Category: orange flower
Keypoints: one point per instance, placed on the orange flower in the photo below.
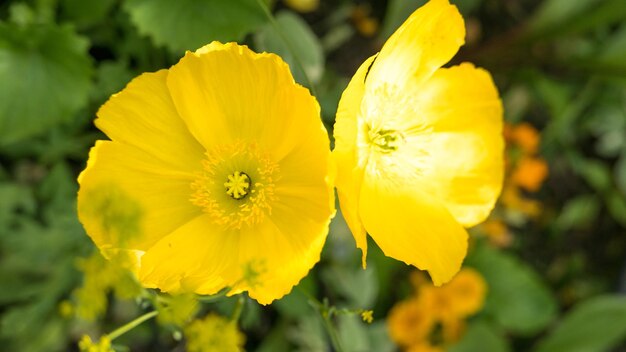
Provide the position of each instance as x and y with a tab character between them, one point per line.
527	137
530	173
497	232
410	322
513	200
364	23
467	292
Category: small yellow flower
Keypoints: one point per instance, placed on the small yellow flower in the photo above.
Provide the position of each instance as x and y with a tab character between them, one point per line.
99	278
213	334
419	148
530	173
303	5
66	309
367	316
410	322
87	345
178	309
217	169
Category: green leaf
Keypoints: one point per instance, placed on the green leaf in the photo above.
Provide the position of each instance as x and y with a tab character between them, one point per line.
85	13
614	49
596	173
517	298
45	73
190	24
593	325
296	303
397	12
352	333
553	13
301	40
379	337
616	204
15	198
620	173
358	286
480	336
579	212
111	77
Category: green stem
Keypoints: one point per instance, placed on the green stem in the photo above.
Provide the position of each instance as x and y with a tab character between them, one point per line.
238	308
131	325
327	314
290	47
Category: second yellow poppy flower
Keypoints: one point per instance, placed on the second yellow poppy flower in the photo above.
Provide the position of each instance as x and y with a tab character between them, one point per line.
419	148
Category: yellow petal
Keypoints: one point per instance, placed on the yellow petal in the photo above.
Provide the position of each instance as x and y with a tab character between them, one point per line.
129	199
409	225
278	254
143	115
424	42
349	174
226	92
192	256
464	150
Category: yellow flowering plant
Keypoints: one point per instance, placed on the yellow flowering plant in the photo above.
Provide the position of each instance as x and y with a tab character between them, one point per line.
216	176
418	147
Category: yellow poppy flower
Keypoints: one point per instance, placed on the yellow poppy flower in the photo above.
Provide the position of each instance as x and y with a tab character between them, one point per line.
419	148
217	176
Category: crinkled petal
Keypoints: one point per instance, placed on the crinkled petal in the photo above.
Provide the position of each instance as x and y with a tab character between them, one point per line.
275	256
191	257
464	149
129	199
267	260
428	39
411	226
143	115
226	92
349	173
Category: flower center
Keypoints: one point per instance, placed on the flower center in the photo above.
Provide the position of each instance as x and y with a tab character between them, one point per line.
238	185
248	193
385	140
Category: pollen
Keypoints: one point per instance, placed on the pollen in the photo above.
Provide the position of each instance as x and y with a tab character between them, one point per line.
246	198
238	185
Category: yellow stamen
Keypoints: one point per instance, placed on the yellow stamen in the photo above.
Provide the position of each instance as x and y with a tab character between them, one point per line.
244	203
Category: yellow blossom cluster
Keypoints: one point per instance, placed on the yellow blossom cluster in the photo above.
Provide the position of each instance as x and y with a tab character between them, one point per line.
100	276
88	345
213	333
434	317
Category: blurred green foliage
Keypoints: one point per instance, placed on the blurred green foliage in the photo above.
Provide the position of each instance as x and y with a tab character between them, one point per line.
559	64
